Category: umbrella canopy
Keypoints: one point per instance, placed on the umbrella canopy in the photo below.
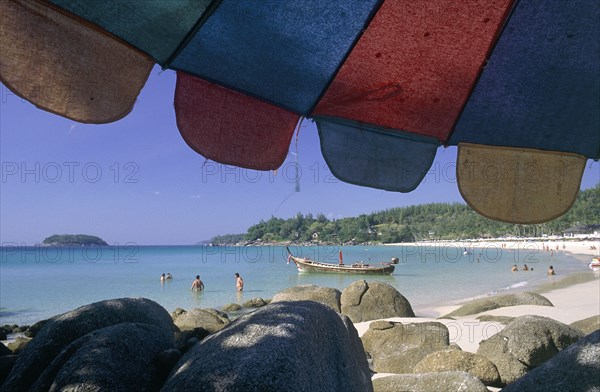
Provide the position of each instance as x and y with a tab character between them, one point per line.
515	84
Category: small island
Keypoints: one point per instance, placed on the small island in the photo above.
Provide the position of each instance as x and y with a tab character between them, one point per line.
74	240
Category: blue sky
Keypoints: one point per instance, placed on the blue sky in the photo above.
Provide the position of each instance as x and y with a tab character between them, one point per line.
136	181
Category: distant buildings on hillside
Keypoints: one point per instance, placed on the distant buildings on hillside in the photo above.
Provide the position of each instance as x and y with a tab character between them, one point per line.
583	231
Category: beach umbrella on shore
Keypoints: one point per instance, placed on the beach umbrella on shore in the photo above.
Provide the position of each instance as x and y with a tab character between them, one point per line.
514	84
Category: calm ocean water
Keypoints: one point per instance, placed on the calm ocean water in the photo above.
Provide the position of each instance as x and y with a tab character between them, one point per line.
39	282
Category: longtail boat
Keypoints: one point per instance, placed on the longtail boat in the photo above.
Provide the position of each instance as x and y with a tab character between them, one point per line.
307	265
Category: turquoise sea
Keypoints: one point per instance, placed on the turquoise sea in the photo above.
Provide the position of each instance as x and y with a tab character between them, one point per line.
39	282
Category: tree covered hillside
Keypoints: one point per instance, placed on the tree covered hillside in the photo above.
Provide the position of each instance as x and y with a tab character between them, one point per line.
419	222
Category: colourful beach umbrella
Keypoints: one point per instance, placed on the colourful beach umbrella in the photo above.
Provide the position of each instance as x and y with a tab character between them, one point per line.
514	84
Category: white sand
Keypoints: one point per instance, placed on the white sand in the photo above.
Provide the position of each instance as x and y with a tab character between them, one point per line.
571	303
571	246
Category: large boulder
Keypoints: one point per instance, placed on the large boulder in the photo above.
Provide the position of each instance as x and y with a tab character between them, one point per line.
364	301
285	346
309	292
456	360
178	312
60	331
6	364
438	382
231	308
504	320
210	320
525	343
5	350
499	301
587	325
122	357
185	338
35	328
397	348
19	344
4	331
257	302
576	368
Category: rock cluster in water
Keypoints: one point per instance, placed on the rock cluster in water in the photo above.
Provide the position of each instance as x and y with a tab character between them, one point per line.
304	340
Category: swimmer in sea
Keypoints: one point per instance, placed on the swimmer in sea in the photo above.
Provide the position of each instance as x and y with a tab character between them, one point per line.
239	282
197	284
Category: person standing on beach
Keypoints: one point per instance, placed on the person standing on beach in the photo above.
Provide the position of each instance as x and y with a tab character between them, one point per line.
197	284
239	282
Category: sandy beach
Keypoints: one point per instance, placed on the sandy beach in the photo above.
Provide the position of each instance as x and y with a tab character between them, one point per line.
574	297
571	304
574	247
572	301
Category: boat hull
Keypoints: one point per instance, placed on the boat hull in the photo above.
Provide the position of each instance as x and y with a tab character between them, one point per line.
304	265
